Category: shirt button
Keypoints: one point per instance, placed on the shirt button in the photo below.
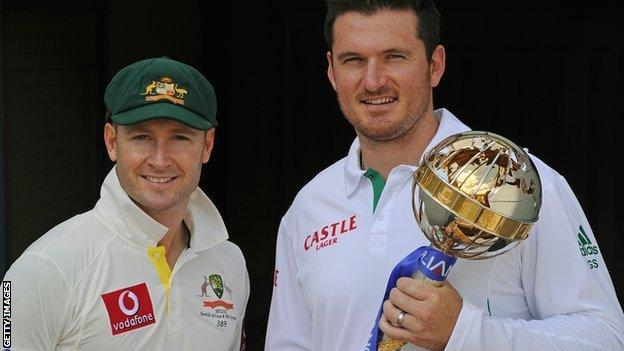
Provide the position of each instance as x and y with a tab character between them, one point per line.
175	327
381	218
173	307
157	256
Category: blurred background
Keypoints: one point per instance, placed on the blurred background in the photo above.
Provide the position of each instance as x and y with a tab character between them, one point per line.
548	76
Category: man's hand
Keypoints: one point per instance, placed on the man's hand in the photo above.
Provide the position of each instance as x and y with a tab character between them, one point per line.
431	313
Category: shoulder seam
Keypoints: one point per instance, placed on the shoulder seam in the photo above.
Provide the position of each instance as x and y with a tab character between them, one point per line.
95	257
292	242
63	278
242	270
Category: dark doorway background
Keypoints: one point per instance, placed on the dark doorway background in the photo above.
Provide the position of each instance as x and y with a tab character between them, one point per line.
548	76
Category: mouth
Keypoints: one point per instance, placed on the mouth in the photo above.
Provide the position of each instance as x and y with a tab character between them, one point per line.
379	101
158	180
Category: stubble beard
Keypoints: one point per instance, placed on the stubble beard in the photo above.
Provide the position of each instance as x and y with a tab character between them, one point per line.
416	111
152	201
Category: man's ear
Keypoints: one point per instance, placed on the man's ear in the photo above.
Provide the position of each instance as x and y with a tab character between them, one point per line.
330	70
437	65
110	136
210	136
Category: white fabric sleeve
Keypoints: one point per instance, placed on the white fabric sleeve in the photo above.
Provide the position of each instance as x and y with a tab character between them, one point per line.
290	322
40	303
569	292
240	328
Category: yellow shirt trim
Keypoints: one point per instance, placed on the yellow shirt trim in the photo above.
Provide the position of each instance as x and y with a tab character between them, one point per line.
158	257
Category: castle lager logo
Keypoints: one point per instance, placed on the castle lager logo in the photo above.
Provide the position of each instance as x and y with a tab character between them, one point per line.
165	89
129	308
329	234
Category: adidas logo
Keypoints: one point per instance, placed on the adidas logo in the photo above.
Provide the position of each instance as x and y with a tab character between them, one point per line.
585	245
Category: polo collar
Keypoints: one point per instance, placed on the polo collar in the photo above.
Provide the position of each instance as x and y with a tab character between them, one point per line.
123	216
448	125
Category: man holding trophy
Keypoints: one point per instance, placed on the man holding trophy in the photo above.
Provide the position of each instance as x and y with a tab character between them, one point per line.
349	227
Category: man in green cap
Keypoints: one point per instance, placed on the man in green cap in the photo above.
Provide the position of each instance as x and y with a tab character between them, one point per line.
150	267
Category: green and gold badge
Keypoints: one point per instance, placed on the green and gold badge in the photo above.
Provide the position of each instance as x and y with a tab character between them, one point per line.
216	283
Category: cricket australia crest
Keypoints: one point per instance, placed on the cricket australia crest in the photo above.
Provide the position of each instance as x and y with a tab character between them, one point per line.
215	306
216	283
165	89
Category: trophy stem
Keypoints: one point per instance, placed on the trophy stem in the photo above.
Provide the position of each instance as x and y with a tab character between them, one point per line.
387	344
419	276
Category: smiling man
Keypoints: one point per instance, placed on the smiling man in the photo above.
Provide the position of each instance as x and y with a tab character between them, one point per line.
147	268
350	225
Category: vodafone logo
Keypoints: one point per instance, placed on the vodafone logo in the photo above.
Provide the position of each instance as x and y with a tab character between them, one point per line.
135	303
129	308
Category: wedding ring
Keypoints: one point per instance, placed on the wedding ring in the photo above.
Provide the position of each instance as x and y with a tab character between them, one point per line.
400	318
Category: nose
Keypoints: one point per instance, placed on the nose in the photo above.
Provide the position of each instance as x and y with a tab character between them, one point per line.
375	76
159	155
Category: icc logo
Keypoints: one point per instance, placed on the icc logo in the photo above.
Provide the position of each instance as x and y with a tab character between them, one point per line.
135	303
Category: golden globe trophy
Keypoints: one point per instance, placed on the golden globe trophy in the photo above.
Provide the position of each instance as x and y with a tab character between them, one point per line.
475	196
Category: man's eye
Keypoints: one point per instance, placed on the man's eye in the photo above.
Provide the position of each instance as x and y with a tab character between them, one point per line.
395	56
141	137
181	137
353	59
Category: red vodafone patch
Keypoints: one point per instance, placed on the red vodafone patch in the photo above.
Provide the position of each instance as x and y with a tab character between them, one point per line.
129	308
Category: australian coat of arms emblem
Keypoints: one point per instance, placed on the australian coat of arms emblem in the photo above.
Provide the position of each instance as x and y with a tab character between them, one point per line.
215	282
165	89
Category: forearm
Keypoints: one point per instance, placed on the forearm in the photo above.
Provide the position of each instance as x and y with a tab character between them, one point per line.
575	331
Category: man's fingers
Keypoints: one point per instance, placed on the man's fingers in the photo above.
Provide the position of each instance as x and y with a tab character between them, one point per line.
393	332
414	288
405	302
391	312
429	321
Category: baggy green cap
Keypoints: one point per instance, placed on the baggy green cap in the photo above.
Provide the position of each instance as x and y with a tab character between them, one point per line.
161	88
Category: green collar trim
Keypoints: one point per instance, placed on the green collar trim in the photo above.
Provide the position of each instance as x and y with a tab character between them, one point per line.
378	182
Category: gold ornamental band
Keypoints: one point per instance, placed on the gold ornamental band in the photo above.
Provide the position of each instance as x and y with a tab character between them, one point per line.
166	97
468	209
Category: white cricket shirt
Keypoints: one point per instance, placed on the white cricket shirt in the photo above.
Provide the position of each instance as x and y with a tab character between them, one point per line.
334	256
98	282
